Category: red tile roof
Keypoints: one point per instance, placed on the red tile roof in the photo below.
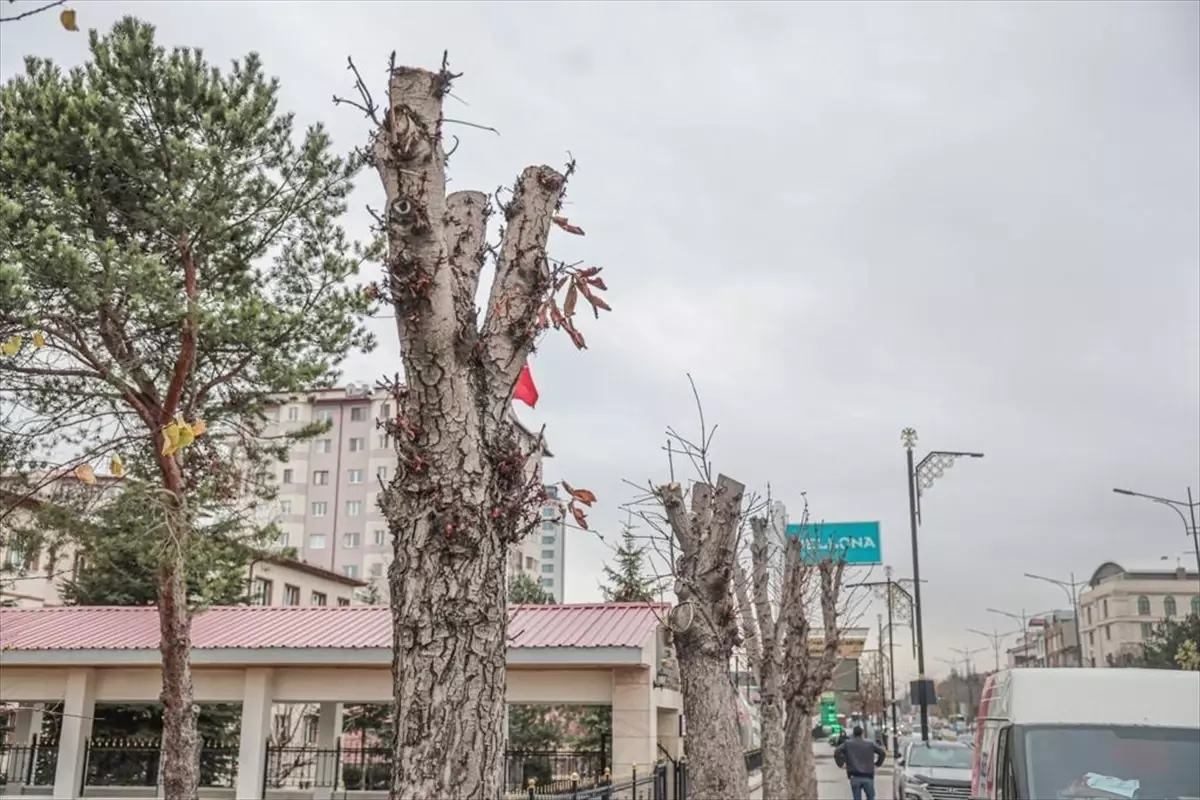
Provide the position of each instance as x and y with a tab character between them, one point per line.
345	627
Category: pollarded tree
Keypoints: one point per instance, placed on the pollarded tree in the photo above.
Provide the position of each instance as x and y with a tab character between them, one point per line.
171	262
463	492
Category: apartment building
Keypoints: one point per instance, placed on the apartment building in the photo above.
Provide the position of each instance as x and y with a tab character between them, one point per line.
550	542
1061	639
328	504
1123	602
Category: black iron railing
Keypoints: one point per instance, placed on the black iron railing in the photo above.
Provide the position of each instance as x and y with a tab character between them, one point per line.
29	765
138	762
554	768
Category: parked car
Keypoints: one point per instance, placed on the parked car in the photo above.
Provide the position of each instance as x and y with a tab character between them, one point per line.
933	771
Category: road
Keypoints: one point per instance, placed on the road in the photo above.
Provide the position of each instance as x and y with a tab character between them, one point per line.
832	783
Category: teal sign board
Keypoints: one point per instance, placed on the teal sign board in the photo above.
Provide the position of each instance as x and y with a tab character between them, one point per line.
856	542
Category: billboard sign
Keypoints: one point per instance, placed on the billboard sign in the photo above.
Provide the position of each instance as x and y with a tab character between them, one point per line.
856	542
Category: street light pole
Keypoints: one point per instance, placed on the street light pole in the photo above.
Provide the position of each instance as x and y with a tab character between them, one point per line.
966	654
1177	506
890	585
921	477
996	638
1023	619
1072	589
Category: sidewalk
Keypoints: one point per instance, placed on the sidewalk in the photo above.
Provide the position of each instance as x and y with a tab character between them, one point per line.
831	781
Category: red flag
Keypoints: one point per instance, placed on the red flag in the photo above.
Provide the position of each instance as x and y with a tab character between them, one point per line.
526	392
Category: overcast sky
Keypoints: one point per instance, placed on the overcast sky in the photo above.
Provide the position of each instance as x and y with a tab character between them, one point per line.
977	219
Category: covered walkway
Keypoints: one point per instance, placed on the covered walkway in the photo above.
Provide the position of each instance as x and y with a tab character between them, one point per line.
259	657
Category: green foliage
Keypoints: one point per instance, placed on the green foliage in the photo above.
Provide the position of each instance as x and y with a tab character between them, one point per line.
121	183
628	582
535	727
594	725
522	588
373	721
1171	645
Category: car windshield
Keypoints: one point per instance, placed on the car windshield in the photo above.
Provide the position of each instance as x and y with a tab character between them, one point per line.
1083	761
952	757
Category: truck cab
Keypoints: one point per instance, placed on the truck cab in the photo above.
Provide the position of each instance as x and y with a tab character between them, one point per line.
1045	734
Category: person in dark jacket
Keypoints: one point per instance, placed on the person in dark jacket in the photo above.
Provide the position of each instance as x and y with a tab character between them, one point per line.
859	757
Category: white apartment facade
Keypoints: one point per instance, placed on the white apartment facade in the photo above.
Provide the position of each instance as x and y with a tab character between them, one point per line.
328	503
1123	601
550	542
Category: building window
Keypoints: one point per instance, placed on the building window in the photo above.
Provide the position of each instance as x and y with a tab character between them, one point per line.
1146	630
551	492
354	508
351	570
547	540
293	413
358	414
381	473
321	477
323	445
283	539
354	476
1104	608
357	444
285	506
262	594
383	441
350	540
288	476
1108	632
1089	615
549	525
546	582
1169	608
549	512
378	538
1091	638
324	415
291	595
1143	604
548	568
343	601
316	541
377	569
547	555
320	508
1196	604
318	599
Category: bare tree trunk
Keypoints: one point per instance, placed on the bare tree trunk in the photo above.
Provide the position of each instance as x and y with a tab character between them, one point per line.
774	752
180	734
798	743
707	538
462	493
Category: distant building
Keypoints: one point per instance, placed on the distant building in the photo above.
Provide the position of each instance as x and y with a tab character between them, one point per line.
1061	639
1123	602
328	504
550	541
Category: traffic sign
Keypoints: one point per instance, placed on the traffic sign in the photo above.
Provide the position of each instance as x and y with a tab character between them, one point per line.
857	543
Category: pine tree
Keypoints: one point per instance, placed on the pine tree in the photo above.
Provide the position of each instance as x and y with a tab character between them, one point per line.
171	263
628	583
522	588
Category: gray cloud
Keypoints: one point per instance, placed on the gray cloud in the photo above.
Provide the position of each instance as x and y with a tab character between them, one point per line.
979	219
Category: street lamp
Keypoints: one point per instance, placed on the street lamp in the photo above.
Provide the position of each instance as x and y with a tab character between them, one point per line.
1071	587
996	638
1022	618
921	478
1189	528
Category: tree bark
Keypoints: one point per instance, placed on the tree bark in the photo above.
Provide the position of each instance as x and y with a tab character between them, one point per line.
707	538
180	734
461	494
798	744
774	752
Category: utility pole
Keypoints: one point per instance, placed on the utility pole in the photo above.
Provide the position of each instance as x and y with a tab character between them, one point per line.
966	654
921	477
1177	506
997	640
1071	587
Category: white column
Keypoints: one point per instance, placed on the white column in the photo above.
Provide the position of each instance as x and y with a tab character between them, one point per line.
79	704
634	724
256	727
329	767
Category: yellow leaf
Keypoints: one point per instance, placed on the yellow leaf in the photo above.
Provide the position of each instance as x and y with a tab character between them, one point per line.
39	339
13	345
170	439
115	466
67	18
186	435
85	474
198	427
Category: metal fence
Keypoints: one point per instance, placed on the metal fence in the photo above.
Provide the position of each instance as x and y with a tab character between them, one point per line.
558	768
29	765
138	762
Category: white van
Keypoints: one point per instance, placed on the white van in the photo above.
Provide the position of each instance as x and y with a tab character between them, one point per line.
1045	734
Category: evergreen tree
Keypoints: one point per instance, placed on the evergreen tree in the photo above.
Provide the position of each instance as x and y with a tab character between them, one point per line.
628	582
1172	644
171	263
523	589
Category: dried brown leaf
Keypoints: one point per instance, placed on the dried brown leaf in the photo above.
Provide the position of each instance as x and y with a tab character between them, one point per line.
566	225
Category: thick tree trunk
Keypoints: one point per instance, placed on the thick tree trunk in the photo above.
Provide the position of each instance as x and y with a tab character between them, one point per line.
774	754
448	666
798	744
180	736
717	766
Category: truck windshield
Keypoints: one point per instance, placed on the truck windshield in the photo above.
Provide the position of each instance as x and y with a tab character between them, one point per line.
1095	761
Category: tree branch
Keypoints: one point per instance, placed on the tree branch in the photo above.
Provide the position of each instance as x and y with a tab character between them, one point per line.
187	344
466	242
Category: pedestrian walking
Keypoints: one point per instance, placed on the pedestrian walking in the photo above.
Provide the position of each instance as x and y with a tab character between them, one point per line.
859	757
